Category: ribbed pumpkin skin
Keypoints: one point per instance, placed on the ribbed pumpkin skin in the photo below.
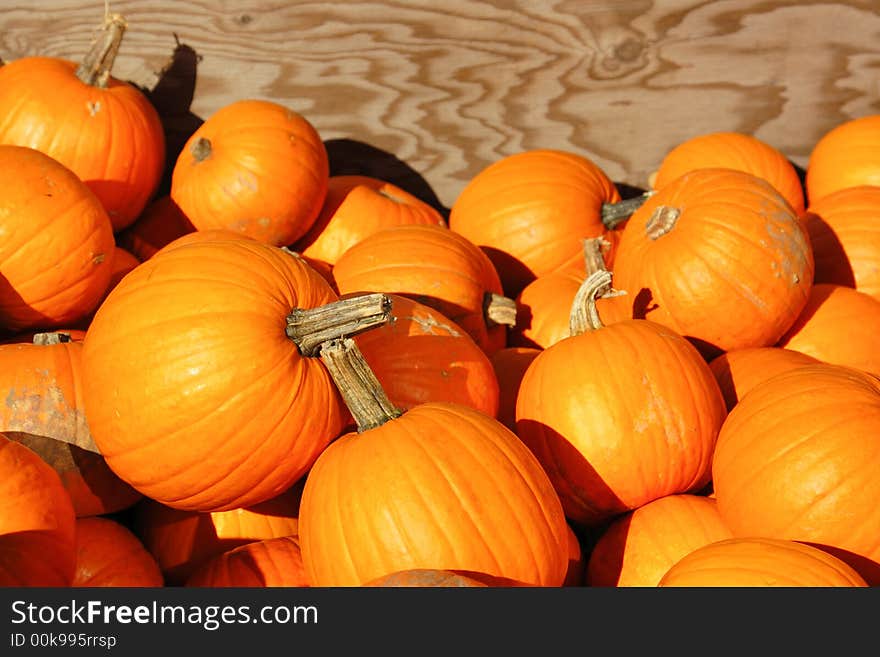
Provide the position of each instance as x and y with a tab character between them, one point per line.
357	206
421	355
431	264
42	390
845	156
56	254
189	375
845	234
442	487
740	370
266	176
797	459
182	541
109	554
425	578
111	138
510	365
839	325
529	211
37	521
760	562
274	562
638	548
544	307
734	271
738	151
161	222
620	416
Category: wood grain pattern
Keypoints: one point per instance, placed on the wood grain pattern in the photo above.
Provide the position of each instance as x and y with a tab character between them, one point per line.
426	94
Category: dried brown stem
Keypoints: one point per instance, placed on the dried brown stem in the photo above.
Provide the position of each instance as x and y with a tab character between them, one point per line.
97	65
499	310
310	328
614	214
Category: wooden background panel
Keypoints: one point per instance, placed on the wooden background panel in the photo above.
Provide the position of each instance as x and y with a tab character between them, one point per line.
427	94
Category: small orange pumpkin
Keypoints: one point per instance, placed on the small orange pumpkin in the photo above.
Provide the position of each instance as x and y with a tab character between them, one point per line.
37	521
272	562
845	156
253	167
109	554
104	130
510	364
760	561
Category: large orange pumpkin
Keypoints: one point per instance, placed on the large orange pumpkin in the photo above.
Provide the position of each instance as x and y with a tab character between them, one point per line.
839	325
435	266
760	562
530	210
42	388
254	167
103	129
357	206
619	415
195	393
637	548
440	486
420	355
719	256
57	247
273	562
740	370
109	554
182	541
845	156
797	458
738	151
845	233
37	521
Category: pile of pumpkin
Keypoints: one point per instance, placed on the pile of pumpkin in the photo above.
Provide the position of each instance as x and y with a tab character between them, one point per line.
271	376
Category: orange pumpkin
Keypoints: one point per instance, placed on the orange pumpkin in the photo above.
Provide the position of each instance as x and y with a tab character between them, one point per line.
738	151
740	370
760	562
719	256
528	211
42	386
103	129
839	325
357	206
845	156
845	235
440	486
510	364
57	251
420	355
109	554
436	267
160	223
273	562
637	548
797	459
182	541
426	578
37	521
253	167
619	415
189	373
543	309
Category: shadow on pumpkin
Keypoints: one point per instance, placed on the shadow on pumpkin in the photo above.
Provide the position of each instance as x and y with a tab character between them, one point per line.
832	262
352	157
10	299
579	482
867	568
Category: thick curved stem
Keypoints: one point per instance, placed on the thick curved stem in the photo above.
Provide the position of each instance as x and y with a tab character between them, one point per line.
55	337
614	214
311	328
97	65
360	389
584	314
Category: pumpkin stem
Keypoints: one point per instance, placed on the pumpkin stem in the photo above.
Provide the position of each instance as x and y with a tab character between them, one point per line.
201	149
584	314
662	221
499	310
311	328
614	214
56	337
358	385
98	62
